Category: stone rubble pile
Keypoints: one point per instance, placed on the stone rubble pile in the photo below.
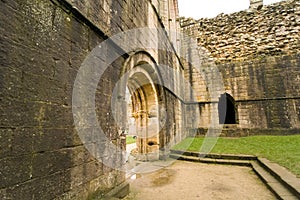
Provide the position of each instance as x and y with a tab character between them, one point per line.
249	34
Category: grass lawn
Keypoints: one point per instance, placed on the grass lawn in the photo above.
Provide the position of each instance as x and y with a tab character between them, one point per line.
284	150
130	140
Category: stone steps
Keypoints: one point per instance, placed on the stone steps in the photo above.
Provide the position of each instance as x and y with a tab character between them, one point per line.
211	160
280	181
285	178
215	156
280	191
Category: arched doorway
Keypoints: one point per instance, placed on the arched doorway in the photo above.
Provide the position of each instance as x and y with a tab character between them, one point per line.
145	114
227	109
143	106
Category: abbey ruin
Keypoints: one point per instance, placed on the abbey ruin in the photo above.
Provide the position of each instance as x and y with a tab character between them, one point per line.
257	52
71	70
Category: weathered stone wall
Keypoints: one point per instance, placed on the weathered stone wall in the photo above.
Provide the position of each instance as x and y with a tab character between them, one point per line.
43	44
257	54
246	35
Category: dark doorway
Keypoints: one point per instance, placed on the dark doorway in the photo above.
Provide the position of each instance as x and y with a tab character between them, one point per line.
227	110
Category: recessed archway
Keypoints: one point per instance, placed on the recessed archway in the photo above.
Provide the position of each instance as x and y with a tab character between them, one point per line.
145	114
144	109
227	109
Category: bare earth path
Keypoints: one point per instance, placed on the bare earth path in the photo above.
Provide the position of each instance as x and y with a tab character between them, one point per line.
188	181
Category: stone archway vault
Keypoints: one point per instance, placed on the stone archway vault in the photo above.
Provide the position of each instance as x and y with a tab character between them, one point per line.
141	78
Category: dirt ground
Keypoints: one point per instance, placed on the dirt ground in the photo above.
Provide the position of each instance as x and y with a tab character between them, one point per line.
188	181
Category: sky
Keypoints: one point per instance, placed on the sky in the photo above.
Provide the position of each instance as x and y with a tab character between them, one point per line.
210	8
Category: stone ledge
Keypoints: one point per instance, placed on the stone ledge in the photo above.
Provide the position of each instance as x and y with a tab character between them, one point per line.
118	192
283	175
214	155
212	161
230	131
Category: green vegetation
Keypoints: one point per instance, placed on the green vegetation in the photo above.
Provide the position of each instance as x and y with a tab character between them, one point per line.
130	139
284	150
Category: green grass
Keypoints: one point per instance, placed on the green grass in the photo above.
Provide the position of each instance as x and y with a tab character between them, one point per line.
284	150
130	140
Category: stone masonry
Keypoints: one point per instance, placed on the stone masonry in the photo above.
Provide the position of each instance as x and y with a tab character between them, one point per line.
257	53
43	43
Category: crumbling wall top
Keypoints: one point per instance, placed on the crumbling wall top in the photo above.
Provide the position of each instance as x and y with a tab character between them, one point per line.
272	30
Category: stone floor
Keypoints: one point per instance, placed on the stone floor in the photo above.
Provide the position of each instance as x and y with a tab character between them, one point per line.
184	180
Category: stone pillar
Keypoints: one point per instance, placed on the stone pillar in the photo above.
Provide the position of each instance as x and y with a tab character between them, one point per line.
255	4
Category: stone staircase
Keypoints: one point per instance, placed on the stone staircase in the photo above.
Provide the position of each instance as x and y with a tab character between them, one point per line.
280	181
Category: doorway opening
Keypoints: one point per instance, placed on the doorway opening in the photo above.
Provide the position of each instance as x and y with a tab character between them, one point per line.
140	106
142	119
227	109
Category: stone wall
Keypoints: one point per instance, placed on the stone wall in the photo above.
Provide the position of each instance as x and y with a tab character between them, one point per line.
257	54
250	34
43	44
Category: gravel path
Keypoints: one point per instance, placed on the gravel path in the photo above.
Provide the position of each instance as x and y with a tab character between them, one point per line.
188	181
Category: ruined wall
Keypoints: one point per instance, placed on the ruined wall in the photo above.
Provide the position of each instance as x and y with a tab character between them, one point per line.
246	35
257	53
43	44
